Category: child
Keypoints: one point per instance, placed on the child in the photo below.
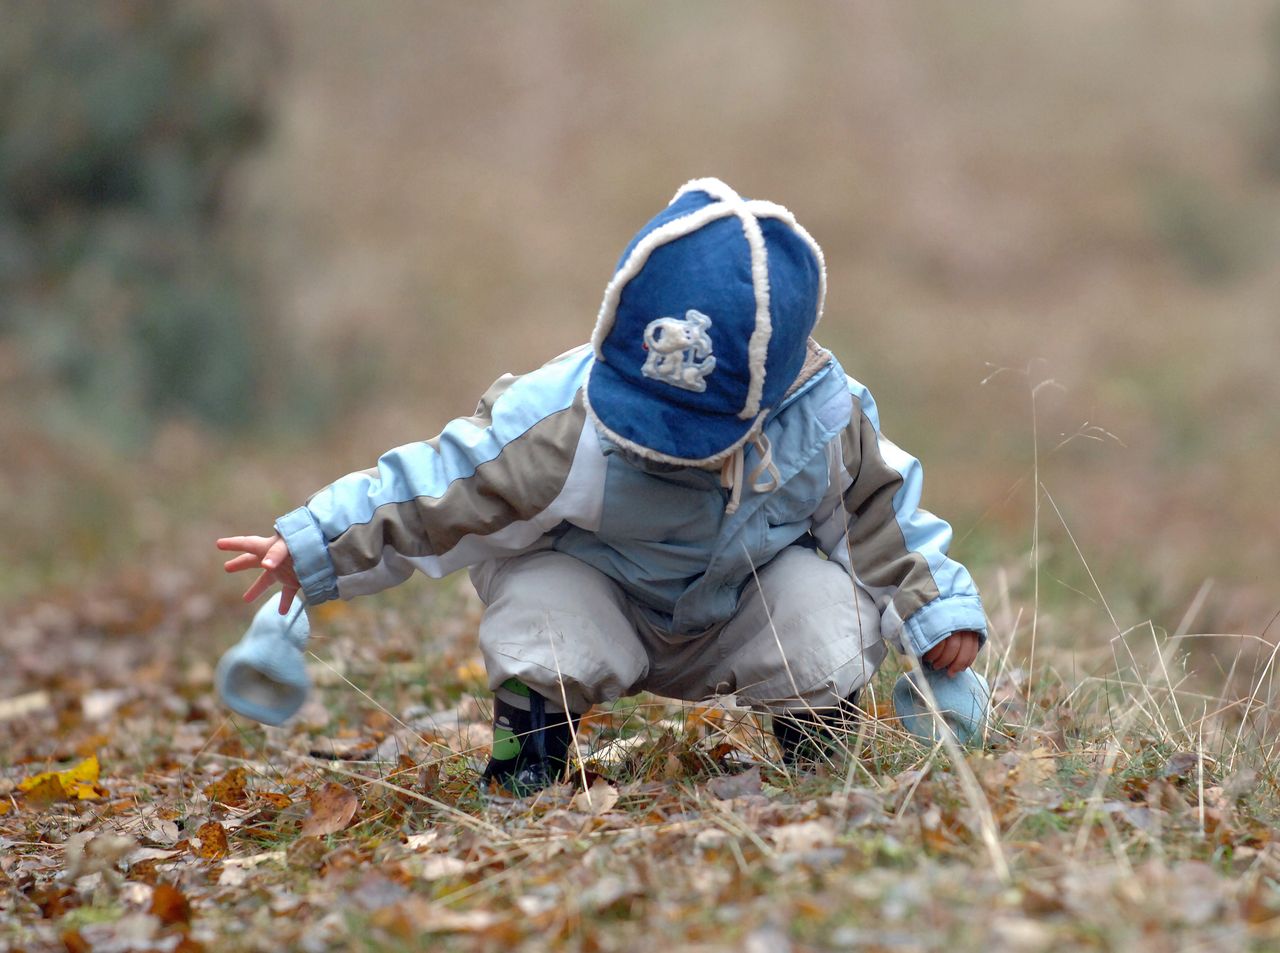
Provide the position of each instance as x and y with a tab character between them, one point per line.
699	502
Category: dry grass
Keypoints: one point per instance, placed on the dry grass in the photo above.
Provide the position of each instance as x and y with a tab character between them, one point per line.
1071	193
1122	800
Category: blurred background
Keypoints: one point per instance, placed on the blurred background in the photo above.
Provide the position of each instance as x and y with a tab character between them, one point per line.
245	247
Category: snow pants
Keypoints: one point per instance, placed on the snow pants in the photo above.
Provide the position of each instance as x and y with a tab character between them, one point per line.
803	636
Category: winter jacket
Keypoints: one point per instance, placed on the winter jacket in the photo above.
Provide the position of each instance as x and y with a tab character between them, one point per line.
529	471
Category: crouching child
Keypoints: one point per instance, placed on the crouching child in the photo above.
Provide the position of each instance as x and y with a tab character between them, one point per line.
697	502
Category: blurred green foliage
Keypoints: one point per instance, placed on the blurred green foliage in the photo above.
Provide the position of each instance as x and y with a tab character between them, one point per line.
1202	231
1268	119
120	125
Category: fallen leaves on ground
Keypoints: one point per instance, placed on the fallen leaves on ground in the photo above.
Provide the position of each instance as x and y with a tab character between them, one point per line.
211	832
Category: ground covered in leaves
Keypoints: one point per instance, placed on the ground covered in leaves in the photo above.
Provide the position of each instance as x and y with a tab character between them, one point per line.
136	814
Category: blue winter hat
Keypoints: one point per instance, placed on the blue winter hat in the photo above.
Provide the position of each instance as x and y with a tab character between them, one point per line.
704	326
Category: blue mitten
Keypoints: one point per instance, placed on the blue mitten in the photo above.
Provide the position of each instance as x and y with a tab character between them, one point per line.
263	676
962	702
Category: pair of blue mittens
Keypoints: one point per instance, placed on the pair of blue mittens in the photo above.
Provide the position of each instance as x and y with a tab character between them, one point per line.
264	675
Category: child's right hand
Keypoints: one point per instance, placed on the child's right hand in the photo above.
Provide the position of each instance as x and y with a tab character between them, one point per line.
955	653
271	555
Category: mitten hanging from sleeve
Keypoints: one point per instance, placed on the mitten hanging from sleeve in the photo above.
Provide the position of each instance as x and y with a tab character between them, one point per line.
264	676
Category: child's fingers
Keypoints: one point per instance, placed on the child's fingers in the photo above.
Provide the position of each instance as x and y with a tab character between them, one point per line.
276	553
260	585
968	652
946	654
243	561
286	598
244	544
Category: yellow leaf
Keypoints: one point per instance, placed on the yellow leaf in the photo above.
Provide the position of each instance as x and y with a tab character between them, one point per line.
44	789
78	783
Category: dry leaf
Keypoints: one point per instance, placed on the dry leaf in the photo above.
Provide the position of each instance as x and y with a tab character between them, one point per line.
421	841
737	785
332	808
237	870
169	906
435	866
1036	766
75	783
213	841
54	901
74	942
20	705
618	750
275	800
253	860
228	789
597	799
45	789
807	835
306	852
1184	766
430	917
90	853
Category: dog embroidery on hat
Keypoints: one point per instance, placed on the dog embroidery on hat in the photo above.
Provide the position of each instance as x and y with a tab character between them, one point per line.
680	351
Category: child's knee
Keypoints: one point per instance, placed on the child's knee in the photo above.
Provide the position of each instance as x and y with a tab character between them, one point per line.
818	661
557	625
564	661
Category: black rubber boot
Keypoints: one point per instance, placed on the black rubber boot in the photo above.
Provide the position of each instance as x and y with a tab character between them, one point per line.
530	748
811	736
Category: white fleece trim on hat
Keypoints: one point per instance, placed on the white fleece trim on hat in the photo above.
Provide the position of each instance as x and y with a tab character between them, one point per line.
758	345
657	456
717	189
764	209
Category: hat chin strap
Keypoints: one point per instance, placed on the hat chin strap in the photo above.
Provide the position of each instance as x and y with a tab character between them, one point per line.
734	464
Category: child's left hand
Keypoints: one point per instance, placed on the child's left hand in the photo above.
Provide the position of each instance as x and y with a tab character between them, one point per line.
271	555
955	653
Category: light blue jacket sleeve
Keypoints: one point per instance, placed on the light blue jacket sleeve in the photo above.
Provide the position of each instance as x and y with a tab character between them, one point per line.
488	485
873	524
